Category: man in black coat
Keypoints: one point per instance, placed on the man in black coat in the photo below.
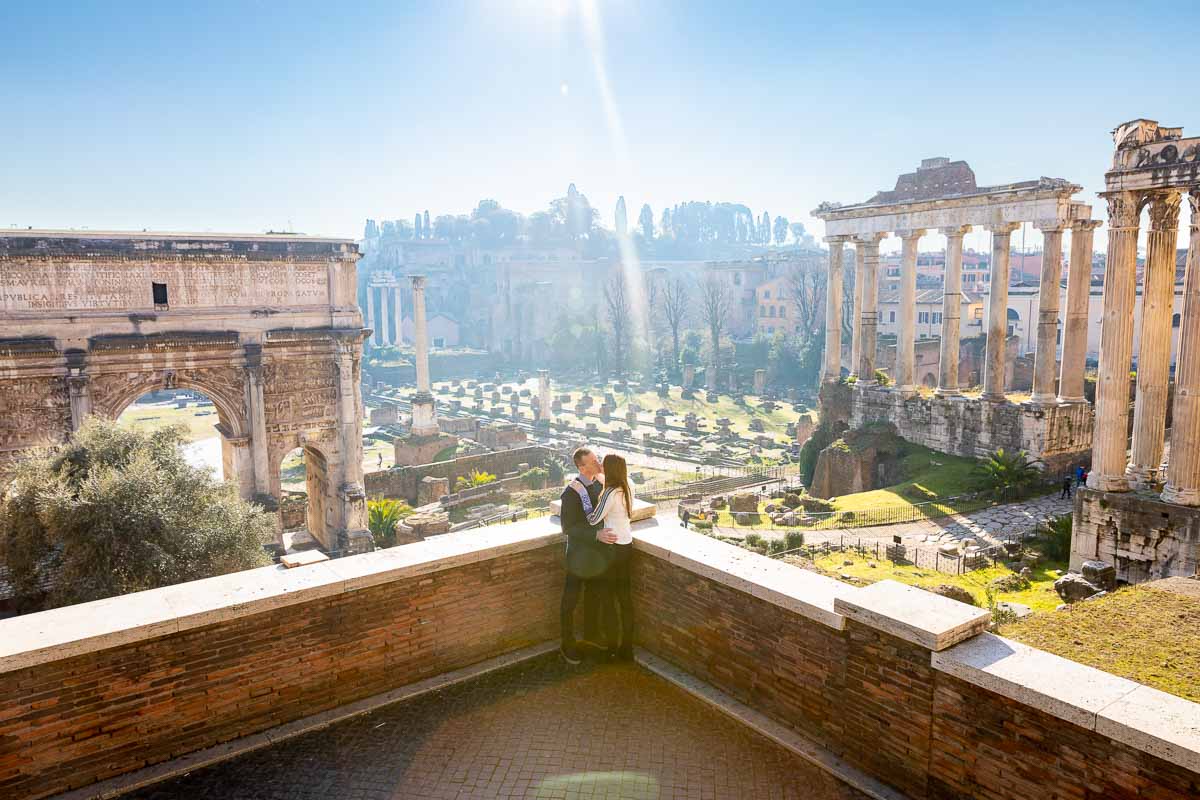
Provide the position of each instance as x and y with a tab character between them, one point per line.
587	557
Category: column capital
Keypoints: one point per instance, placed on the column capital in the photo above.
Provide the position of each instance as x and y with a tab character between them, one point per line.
1124	208
841	239
1003	228
910	233
955	231
1164	209
1086	224
868	238
418	281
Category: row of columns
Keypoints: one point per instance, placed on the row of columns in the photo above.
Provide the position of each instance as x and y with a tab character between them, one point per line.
866	302
389	298
1112	469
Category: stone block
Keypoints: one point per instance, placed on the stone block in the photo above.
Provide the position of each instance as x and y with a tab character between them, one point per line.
1101	574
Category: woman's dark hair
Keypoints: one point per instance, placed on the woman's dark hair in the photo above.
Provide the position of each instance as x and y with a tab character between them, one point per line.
616	476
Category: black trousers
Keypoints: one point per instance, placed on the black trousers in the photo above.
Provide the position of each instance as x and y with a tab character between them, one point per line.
620	588
595	599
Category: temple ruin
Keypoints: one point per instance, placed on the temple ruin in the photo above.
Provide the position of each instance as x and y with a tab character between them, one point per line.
266	326
1055	425
1136	515
425	439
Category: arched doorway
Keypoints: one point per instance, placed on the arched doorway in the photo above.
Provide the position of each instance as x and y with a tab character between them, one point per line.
304	487
206	444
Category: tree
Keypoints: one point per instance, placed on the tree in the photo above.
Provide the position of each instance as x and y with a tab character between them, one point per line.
425	225
114	511
781	230
807	283
665	228
646	222
675	302
418	227
617	301
714	308
1007	473
620	222
764	229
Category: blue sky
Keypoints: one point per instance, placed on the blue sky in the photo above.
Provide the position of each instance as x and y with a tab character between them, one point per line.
247	116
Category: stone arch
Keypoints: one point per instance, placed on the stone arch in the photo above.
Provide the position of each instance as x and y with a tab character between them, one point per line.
929	381
112	393
320	469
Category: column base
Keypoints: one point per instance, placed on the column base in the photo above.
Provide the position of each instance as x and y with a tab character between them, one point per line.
1041	400
1181	497
945	392
907	391
993	398
1144	477
1066	401
1108	483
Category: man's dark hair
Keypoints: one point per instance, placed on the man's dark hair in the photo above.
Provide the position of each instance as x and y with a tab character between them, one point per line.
579	453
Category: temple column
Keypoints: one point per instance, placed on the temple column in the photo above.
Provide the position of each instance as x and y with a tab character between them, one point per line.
906	342
371	313
856	313
1183	470
1154	344
1110	438
951	312
833	309
397	316
544	401
869	279
994	362
1045	360
1075	332
424	414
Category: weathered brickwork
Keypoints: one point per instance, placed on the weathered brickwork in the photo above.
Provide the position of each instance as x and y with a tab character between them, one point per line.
991	748
1059	435
1143	537
72	722
875	700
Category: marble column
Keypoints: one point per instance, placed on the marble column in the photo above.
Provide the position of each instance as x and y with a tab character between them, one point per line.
1110	437
868	247
371	314
833	309
951	312
544	401
1045	360
397	315
856	312
424	414
1183	471
1075	328
906	342
995	359
1154	344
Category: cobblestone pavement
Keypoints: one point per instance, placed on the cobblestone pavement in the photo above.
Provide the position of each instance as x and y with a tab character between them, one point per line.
540	729
986	526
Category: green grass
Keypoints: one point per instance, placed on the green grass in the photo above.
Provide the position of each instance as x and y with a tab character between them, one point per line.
1142	633
931	476
199	422
1040	597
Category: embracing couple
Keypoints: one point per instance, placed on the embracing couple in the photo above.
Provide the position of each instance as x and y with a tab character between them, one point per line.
596	509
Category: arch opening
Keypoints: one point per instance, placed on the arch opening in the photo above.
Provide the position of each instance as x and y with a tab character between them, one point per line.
208	429
304	489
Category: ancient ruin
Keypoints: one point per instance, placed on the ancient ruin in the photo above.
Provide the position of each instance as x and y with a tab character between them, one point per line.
425	440
1055	424
1129	516
266	326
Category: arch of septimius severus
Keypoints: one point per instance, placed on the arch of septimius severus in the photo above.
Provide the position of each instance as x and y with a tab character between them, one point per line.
1055	425
1135	515
267	326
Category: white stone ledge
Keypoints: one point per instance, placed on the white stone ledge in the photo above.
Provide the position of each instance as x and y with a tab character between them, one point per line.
60	633
798	590
913	614
1145	719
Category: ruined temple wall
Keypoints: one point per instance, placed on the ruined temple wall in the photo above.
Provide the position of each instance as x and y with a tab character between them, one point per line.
1059	435
404	482
1143	537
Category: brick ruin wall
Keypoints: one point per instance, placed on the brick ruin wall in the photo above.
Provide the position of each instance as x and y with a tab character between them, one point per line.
404	482
1143	537
1059	435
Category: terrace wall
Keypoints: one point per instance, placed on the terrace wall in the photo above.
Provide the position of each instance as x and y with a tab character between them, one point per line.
901	685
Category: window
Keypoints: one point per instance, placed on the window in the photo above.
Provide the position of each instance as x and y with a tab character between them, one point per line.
772	311
770	329
891	316
159	290
439	341
937	318
783	311
766	294
737	279
762	311
977	313
797	329
1175	321
923	317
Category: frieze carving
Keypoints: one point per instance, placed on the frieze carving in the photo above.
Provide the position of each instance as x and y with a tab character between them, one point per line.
300	394
36	411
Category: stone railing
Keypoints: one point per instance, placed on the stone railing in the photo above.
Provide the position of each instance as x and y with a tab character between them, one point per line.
894	689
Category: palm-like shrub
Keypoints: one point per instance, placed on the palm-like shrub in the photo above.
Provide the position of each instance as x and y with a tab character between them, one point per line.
1007	474
382	516
476	478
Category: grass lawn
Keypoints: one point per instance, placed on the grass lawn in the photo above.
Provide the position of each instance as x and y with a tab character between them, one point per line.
933	475
1040	597
156	416
1142	633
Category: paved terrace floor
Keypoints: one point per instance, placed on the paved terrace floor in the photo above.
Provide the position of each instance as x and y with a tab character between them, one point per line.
539	729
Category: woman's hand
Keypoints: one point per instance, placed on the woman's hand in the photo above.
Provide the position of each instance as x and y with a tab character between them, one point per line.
606	535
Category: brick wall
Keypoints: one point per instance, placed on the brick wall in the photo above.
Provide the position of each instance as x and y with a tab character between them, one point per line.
877	702
73	721
403	481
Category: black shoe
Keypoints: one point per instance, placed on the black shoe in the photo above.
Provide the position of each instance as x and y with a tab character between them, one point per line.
570	655
625	654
